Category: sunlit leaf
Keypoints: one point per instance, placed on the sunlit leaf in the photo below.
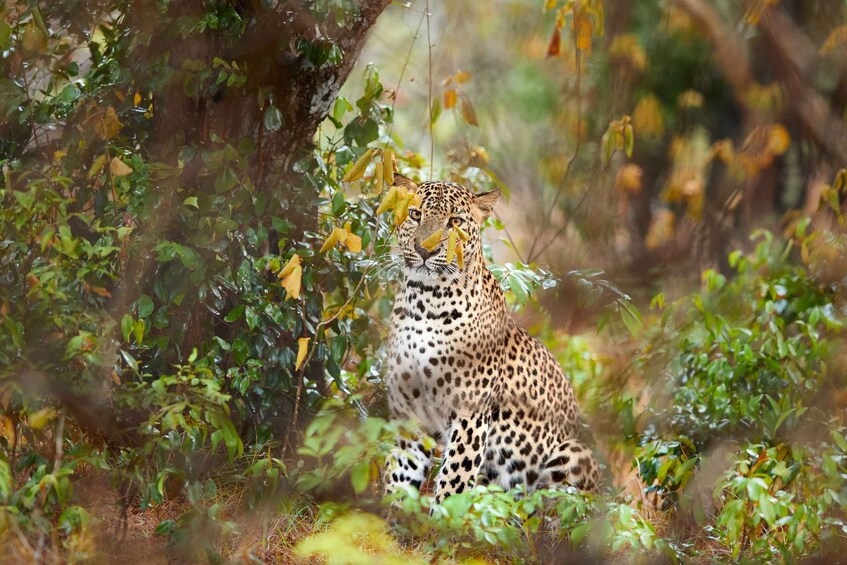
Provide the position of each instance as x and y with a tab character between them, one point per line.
292	283
778	139
583	32
352	241
389	201
450	98
628	140
97	166
329	242
389	163
452	239
41	418
289	266
302	350
462	77
357	171
628	179
433	240
118	168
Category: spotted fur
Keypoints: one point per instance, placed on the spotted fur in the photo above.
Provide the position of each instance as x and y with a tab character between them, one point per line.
490	393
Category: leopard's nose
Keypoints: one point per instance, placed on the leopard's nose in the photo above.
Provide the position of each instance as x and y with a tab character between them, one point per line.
423	251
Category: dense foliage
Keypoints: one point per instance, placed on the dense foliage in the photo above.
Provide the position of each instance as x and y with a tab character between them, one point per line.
195	282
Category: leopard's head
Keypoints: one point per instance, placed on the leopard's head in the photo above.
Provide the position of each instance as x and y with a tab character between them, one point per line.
444	206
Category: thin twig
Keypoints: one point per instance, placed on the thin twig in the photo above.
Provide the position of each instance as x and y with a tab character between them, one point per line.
402	74
429	95
573	212
578	146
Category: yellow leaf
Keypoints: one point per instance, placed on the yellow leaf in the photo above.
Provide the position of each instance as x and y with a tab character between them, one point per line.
661	229
452	239
837	38
468	112
7	429
432	241
389	201
292	283
378	176
289	266
462	233
136	100
549	4
357	171
583	34
38	420
450	99
388	163
416	200
647	117
330	241
109	125
460	254
778	139
119	168
302	350
401	211
341	235
462	77
97	166
354	243
628	180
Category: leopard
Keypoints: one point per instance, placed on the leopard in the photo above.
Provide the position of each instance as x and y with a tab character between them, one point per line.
492	396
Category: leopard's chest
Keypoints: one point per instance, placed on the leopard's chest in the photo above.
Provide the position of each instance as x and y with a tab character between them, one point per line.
432	361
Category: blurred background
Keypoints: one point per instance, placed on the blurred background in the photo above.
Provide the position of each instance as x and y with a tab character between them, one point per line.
738	122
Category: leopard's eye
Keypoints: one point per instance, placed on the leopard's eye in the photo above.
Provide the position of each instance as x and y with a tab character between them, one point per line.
455	221
415	214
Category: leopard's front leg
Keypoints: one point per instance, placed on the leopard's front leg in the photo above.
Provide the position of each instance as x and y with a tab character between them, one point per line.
407	465
463	453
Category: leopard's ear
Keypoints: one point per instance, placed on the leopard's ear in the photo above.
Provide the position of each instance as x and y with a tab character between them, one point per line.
409	184
484	202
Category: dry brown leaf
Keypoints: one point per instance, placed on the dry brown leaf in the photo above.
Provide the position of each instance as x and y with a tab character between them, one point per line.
109	125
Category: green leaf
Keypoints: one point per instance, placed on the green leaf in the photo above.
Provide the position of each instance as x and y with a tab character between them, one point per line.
339	348
190	201
252	317
226	180
340	107
145	306
234	314
5	34
337	203
518	288
272	118
138	331
360	476
126	326
130	360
